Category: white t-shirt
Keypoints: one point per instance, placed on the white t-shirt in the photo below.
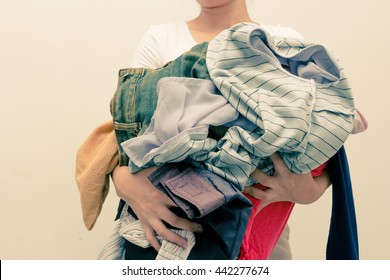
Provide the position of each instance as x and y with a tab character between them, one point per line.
163	43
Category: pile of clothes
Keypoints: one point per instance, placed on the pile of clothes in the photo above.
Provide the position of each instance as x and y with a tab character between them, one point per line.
208	119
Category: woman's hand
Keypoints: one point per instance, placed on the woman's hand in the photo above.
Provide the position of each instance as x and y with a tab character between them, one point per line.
151	206
285	185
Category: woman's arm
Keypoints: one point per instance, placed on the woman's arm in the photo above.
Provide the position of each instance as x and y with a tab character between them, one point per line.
285	185
151	206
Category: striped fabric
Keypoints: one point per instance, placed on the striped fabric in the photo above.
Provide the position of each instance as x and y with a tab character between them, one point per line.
295	92
130	229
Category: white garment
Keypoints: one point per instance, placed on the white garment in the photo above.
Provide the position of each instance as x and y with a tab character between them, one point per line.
163	43
129	228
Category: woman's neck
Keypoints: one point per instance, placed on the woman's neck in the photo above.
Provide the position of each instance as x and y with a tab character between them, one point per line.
211	21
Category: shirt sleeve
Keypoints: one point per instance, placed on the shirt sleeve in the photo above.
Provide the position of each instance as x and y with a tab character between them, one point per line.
148	54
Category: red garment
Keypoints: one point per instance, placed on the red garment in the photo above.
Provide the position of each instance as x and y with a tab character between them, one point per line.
264	229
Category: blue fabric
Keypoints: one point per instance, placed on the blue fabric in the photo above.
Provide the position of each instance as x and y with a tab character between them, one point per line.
343	237
197	191
223	231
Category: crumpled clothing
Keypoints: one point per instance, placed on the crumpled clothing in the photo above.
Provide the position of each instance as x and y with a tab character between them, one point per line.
129	228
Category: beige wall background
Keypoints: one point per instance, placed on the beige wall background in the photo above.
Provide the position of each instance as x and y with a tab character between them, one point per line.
58	70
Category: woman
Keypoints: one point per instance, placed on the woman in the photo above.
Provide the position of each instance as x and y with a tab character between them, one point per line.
162	44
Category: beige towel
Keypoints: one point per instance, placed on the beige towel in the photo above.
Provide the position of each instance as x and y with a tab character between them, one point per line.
96	158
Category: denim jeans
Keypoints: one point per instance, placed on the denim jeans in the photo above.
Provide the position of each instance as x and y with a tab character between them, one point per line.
135	98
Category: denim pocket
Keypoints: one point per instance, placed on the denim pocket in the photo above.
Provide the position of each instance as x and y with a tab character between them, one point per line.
123	132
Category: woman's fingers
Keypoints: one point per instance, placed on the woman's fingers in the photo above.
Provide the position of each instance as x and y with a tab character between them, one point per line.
176	221
261	177
280	170
182	223
266	196
256	192
151	237
279	165
156	214
167	234
159	228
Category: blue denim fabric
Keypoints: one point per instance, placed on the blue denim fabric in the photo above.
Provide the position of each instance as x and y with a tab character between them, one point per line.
135	98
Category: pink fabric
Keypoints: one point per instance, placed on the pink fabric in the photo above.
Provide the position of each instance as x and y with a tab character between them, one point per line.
360	123
265	228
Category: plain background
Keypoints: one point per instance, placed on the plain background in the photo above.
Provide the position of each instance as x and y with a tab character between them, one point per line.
59	61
